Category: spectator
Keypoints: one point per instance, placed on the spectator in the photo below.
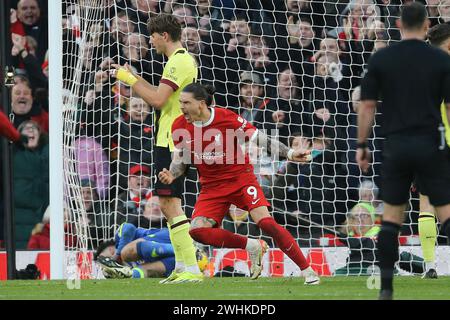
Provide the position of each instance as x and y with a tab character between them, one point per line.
152	216
312	189
90	58
131	203
253	105
92	216
444	11
136	48
354	29
342	73
302	41
24	53
24	107
362	221
27	21
325	99
258	55
136	134
299	52
121	26
287	108
298	9
438	11
101	105
389	14
310	10
324	102
144	9
230	59
93	163
239	31
353	22
137	53
184	15
207	18
40	235
368	192
374	34
31	174
190	38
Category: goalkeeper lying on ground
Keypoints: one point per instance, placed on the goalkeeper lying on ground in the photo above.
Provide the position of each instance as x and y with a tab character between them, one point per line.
139	253
360	235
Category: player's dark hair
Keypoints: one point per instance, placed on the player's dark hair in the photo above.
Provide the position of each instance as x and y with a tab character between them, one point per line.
439	34
201	92
102	246
165	23
413	15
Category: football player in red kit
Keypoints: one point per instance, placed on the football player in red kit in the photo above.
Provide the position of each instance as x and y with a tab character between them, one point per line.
210	138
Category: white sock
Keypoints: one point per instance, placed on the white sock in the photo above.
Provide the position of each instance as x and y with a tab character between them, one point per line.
252	244
193	269
430	265
309	269
179	266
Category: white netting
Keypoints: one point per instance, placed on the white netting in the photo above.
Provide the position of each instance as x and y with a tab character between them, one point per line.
309	57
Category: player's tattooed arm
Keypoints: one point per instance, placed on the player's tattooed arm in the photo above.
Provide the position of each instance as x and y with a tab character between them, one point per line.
177	166
271	144
274	146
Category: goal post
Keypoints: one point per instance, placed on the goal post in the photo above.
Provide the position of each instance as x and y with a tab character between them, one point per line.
56	141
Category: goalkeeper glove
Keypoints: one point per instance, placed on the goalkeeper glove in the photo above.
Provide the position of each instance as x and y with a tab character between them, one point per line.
126	76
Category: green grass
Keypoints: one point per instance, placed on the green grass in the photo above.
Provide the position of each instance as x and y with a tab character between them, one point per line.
226	288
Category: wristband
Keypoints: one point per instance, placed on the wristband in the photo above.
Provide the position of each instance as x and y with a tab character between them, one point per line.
126	76
290	154
362	145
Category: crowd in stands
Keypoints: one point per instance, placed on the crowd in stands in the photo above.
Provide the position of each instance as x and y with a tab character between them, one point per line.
290	65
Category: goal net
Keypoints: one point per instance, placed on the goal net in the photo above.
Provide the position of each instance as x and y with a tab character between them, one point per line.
293	66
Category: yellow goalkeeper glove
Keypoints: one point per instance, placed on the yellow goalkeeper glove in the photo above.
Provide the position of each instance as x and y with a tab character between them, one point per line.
126	76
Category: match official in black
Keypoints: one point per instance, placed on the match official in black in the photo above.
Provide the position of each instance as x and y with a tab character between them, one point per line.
411	78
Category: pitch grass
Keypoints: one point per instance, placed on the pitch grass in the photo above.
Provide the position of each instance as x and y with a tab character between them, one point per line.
346	288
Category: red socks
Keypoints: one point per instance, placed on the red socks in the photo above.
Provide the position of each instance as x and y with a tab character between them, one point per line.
225	239
218	238
284	241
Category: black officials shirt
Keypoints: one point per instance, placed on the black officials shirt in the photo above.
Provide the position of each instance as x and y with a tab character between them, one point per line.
412	79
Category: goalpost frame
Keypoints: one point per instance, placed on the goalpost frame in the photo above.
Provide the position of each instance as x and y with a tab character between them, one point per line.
56	140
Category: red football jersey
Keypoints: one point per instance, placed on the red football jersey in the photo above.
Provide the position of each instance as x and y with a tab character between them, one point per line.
215	147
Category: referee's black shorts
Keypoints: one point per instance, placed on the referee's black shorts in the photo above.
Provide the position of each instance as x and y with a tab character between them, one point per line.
163	158
406	157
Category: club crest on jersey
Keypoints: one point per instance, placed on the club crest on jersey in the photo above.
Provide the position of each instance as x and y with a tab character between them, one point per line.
217	139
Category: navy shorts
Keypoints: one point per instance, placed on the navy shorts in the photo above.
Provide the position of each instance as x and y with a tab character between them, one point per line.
163	158
409	157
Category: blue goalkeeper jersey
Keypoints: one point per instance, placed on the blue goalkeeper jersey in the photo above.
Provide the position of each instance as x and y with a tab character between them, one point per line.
128	233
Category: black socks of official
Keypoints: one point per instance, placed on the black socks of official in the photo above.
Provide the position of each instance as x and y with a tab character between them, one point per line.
387	252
